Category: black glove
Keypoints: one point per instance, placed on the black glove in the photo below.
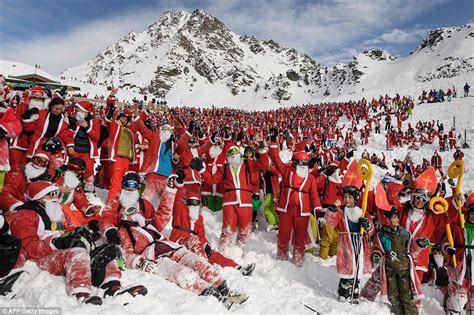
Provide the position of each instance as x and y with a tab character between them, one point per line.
350	154
29	112
112	236
312	162
272	133
196	164
192	126
200	134
365	223
332	208
423	242
240	136
93	225
227	132
450	250
213	136
181	176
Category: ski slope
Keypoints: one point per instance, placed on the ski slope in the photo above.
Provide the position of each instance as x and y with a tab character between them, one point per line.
276	287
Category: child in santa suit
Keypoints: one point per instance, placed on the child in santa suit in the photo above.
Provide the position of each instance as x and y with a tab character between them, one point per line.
353	248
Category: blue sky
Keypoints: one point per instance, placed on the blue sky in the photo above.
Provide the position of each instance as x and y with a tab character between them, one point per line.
59	34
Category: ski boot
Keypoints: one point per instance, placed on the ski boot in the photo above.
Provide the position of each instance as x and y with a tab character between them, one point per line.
10	282
100	257
113	288
247	270
228	298
86	298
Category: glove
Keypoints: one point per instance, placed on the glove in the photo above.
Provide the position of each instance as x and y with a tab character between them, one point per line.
192	126
181	176
332	208
312	162
69	240
227	132
112	236
365	223
376	258
196	164
423	242
93	225
393	256
350	154
322	221
450	250
146	265
272	133
171	181
240	136
213	136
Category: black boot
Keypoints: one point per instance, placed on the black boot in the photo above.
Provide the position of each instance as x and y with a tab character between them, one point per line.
100	257
88	299
247	270
7	283
114	287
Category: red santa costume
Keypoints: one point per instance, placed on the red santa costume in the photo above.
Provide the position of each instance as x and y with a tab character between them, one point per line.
237	199
39	225
298	199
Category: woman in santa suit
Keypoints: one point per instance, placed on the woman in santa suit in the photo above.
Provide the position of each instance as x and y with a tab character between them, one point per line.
50	122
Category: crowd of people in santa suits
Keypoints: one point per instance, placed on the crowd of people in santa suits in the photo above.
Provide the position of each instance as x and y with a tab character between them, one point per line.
290	171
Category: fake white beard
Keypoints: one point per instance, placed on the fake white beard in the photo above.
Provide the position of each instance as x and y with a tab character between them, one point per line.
34	103
335	177
302	171
54	211
415	214
165	135
439	260
129	198
194	212
194	152
81	116
353	214
33	171
71	180
235	160
215	151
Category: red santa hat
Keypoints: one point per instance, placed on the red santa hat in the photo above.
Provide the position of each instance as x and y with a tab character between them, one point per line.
85	106
39	189
335	163
41	153
426	181
301	156
351	178
300	146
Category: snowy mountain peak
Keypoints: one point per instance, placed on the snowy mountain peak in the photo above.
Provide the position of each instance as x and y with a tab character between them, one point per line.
194	58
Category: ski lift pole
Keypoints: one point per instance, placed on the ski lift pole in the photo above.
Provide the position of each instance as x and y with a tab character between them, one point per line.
365	171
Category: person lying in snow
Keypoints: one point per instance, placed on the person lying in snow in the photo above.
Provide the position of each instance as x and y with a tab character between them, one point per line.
132	222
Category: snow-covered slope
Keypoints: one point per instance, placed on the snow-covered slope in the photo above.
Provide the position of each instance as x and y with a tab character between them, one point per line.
193	59
276	287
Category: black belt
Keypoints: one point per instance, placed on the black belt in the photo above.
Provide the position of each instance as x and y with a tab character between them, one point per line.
297	189
182	228
232	189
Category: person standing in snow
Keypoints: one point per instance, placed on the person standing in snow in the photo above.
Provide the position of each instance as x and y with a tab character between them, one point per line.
397	271
466	89
353	256
298	200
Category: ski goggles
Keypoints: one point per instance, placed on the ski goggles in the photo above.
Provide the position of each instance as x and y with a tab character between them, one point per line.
40	161
74	168
420	197
54	194
302	162
193	202
131	211
130	185
233	151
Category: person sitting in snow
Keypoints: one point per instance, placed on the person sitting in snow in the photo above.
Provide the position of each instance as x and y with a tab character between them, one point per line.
353	255
132	221
52	242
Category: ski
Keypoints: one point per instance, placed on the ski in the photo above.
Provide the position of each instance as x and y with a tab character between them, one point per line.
310	308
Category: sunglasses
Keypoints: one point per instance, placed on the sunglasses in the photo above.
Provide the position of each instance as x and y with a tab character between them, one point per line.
130	185
54	194
193	202
302	163
40	161
74	168
233	151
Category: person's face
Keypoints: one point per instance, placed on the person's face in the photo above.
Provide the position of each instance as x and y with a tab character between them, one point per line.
418	203
248	155
348	200
470	217
395	220
57	109
124	121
